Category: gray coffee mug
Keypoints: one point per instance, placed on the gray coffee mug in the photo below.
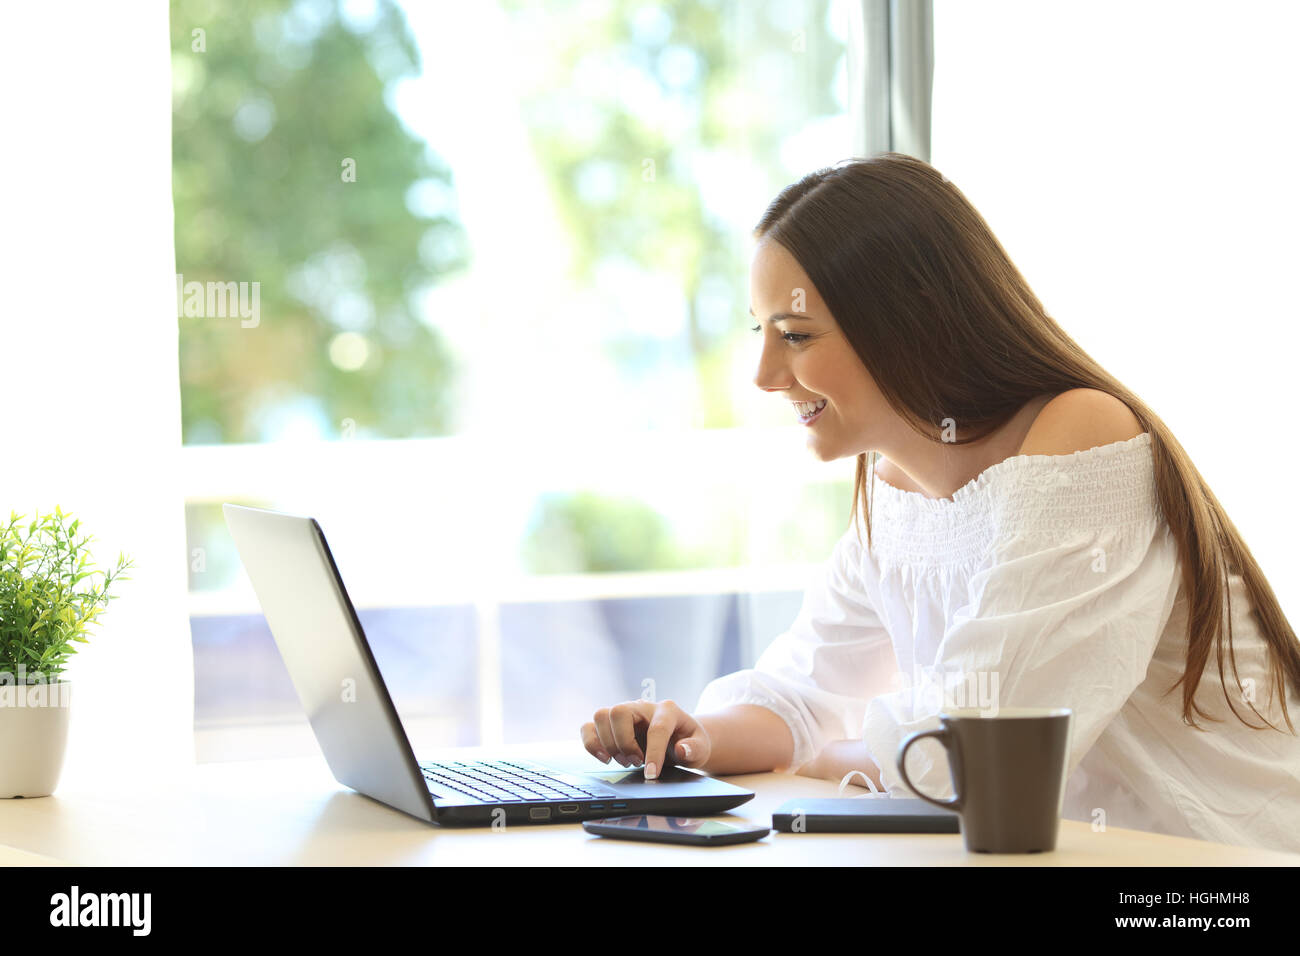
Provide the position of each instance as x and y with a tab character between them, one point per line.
1008	774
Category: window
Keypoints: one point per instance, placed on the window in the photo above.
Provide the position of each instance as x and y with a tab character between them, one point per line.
469	284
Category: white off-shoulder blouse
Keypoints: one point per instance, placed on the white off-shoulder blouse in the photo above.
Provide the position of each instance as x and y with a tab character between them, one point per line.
1048	581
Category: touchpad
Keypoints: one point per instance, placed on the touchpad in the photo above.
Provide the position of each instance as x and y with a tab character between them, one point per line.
668	775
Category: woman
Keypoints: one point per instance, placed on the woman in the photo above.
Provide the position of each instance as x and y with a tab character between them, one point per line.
1040	538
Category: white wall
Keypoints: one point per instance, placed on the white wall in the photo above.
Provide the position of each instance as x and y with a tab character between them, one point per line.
88	351
1138	162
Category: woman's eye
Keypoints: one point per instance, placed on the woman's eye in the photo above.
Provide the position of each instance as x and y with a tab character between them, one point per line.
792	337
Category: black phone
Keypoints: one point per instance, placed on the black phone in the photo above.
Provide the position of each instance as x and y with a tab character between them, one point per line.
661	829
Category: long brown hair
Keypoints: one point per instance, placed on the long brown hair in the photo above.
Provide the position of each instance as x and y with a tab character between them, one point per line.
948	328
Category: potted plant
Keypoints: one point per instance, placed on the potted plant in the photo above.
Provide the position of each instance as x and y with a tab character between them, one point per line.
50	595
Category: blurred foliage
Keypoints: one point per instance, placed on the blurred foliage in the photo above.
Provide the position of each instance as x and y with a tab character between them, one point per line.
628	98
630	104
812	523
584	532
632	109
213	559
577	533
272	101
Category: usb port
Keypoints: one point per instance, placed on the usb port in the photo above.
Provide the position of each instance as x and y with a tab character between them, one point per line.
595	806
539	813
618	806
568	808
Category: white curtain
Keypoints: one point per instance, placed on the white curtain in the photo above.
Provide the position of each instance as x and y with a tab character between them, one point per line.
88	354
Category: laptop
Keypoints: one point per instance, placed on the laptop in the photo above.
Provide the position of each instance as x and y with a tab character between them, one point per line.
333	670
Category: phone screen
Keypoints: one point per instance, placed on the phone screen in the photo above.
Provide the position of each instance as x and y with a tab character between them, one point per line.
645	821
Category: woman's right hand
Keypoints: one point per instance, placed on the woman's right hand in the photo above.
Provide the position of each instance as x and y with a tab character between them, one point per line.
642	731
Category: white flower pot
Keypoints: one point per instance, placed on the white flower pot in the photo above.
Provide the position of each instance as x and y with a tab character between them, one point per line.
33	737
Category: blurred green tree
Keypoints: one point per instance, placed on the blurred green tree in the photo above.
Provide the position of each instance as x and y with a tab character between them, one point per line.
631	104
628	106
290	170
583	532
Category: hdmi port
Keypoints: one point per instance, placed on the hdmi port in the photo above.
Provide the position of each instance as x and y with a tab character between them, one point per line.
568	808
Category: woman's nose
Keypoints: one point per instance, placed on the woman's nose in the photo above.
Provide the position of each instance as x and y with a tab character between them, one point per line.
771	375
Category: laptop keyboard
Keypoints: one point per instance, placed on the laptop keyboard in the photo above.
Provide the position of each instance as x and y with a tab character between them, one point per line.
508	781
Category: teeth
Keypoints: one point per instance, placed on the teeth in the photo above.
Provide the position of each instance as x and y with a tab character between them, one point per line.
808	408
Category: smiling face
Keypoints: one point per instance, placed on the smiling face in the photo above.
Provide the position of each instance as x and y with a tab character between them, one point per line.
806	358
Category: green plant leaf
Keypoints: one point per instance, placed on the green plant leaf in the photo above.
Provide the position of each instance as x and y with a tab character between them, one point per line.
42	612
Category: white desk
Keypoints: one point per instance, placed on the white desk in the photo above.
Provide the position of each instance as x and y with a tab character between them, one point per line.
278	812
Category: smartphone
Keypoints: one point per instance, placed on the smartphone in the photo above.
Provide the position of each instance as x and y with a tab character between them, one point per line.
660	829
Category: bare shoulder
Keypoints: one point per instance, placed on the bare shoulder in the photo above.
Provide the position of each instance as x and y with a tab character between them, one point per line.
1077	420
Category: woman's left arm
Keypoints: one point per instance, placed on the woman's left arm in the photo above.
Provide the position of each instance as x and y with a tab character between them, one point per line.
838	758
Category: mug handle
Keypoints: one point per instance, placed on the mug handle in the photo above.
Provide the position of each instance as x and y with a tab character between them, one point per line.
941	735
